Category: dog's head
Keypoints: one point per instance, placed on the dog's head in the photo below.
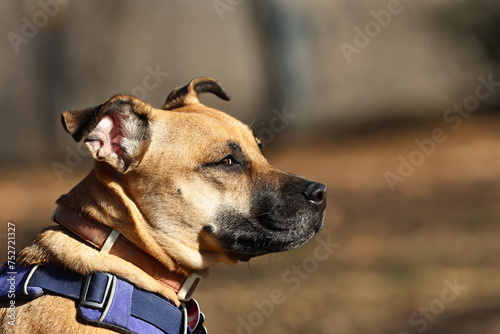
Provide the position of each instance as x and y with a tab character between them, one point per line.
198	177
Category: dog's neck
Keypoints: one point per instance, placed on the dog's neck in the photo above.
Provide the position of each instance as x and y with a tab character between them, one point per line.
106	202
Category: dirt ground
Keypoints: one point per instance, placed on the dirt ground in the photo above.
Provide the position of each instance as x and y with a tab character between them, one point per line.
420	257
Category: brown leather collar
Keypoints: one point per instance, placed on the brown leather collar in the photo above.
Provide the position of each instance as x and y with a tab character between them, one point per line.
97	235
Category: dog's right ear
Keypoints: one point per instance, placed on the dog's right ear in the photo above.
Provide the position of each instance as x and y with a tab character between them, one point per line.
188	94
116	132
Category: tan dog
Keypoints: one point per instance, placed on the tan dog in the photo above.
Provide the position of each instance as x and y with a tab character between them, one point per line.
186	184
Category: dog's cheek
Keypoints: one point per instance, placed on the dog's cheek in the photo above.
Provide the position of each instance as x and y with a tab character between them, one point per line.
199	198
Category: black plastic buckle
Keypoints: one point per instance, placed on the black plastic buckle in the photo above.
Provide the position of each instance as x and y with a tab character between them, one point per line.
89	286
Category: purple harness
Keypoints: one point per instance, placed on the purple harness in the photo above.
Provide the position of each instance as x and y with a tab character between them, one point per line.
103	299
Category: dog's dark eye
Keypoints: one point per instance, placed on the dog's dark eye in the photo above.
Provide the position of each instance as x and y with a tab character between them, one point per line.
228	161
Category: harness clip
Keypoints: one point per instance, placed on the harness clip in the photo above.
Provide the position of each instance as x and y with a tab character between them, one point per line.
96	292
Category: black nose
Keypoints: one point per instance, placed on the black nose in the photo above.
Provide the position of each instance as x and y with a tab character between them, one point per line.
316	193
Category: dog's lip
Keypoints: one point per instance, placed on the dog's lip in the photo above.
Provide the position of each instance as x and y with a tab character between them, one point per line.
279	246
265	221
246	246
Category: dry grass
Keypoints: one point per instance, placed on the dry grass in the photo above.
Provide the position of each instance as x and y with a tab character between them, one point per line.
396	249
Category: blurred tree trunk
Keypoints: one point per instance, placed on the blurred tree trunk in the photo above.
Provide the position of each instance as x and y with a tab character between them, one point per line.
286	34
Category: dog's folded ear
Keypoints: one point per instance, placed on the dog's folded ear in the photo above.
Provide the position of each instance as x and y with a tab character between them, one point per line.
116	132
188	94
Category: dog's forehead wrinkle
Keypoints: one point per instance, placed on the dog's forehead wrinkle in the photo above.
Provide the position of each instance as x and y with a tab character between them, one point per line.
235	147
218	121
222	149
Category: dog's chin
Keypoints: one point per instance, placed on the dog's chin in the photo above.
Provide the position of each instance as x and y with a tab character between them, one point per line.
244	244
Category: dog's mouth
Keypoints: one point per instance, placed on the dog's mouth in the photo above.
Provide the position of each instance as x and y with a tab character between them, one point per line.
250	238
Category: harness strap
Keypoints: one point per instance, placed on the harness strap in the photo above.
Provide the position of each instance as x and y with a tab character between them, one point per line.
57	280
103	299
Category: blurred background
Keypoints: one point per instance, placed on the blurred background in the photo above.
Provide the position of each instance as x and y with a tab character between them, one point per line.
393	104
